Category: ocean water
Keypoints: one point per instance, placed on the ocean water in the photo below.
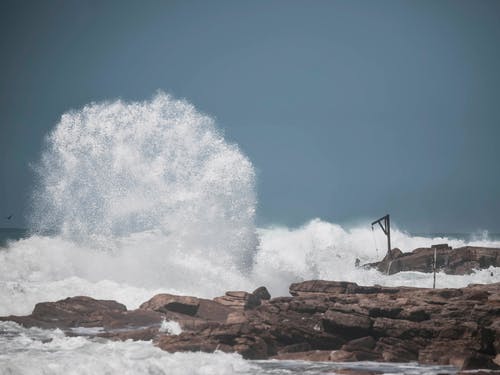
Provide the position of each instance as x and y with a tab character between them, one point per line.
135	199
8	235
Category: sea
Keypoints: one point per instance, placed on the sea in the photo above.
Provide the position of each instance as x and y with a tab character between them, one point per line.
133	199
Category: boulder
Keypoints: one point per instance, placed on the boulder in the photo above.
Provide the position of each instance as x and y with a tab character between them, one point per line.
262	293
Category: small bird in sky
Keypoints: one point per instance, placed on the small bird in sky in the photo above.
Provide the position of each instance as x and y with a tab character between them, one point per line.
9	217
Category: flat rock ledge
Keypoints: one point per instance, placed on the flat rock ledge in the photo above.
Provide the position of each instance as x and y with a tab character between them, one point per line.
321	321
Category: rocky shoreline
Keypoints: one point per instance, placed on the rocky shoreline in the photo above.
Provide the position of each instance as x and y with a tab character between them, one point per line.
459	261
320	321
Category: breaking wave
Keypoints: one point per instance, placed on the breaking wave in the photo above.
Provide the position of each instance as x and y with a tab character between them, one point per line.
139	198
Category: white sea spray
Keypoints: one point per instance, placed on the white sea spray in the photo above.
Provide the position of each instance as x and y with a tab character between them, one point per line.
170	327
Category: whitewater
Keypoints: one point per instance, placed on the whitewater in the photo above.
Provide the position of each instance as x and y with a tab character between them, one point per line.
138	198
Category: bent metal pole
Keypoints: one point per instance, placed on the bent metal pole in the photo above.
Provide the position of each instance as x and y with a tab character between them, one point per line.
385	224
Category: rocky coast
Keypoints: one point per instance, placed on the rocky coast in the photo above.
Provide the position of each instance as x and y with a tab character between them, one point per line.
319	321
459	261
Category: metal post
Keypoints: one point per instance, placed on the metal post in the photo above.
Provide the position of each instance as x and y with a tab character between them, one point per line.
434	267
386	228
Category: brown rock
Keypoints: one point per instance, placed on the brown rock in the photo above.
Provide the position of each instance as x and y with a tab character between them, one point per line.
363	343
312	355
70	312
315	287
87	312
347	325
181	308
169	302
458	261
239	300
131	319
397	350
294	348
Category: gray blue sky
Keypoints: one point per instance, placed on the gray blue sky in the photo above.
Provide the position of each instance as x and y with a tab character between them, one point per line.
348	109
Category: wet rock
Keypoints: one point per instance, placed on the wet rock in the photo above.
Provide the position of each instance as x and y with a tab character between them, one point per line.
310	355
460	261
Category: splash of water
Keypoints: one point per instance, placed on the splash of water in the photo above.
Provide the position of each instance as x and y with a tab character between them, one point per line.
112	170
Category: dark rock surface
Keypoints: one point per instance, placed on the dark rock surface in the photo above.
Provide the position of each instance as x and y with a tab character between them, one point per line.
322	321
459	261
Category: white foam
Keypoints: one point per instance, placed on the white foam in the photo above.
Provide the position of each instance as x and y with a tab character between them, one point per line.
40	269
171	327
322	250
34	351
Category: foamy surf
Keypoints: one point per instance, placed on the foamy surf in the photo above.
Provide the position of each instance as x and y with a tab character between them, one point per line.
41	268
35	351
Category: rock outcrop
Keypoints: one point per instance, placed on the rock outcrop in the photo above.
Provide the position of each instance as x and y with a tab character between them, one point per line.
321	321
87	316
459	261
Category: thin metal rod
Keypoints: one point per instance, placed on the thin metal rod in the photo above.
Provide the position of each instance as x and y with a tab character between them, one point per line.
385	224
388	226
434	267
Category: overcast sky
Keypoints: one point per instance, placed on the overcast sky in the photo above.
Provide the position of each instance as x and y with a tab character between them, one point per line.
348	109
